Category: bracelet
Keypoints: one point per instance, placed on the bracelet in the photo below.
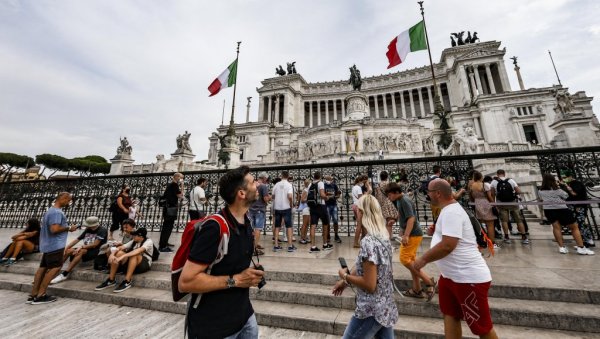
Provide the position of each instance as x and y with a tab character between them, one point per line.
345	277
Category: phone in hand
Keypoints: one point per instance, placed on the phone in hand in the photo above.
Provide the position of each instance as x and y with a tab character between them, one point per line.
343	262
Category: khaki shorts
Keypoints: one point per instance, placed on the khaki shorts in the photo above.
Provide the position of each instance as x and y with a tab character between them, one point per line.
512	210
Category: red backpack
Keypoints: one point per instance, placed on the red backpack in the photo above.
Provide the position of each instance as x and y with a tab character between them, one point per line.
181	256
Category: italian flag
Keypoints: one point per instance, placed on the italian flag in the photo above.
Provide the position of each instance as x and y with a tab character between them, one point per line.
410	40
226	79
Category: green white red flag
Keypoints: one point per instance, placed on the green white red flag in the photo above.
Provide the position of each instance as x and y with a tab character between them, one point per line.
226	79
410	40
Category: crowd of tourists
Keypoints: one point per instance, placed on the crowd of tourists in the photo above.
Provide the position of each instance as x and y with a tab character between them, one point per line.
217	279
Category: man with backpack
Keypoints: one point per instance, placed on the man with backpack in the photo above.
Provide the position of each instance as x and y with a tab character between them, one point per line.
197	200
171	197
506	191
283	200
318	211
333	194
220	305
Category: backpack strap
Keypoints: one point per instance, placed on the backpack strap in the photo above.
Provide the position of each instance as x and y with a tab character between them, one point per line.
222	248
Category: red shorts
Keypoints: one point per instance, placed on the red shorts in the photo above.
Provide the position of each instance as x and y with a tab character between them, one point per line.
468	302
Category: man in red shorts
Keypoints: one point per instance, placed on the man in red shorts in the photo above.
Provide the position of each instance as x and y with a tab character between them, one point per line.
465	277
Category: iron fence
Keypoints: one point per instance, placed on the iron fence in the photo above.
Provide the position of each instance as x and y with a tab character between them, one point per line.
20	201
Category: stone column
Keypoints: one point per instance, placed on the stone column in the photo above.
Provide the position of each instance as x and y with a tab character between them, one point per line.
490	79
503	77
310	114
464	79
261	109
394	109
318	113
277	109
385	111
402	104
521	84
327	112
376	101
421	106
285	112
473	86
270	109
335	110
431	108
343	108
412	104
478	80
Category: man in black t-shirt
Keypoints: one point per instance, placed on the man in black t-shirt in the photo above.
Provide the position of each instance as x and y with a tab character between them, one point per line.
223	308
171	197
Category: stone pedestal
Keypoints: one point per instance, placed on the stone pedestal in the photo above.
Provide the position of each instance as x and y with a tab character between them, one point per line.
572	131
357	107
118	162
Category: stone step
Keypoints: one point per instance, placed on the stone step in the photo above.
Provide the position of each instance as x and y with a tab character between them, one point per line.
324	320
159	277
538	314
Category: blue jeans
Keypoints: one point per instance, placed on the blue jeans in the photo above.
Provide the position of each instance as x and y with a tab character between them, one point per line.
286	215
257	219
249	331
367	328
332	210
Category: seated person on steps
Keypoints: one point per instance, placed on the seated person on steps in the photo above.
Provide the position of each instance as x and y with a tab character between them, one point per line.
93	237
101	262
26	241
135	256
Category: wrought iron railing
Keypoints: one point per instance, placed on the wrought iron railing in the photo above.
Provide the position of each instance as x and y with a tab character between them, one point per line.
20	201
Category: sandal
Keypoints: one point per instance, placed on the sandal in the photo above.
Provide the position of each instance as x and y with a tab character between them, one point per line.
412	294
430	289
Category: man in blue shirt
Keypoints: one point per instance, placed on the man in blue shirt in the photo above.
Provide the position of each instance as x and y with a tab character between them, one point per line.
53	239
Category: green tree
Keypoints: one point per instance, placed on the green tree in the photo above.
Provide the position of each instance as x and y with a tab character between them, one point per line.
53	162
12	161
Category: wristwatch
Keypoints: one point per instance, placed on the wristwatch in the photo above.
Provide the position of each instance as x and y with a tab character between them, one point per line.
230	282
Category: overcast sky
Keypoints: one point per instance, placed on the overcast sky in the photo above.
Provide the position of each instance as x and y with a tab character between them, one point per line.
77	75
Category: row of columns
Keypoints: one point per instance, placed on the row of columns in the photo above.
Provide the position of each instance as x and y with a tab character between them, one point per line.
396	113
273	107
475	79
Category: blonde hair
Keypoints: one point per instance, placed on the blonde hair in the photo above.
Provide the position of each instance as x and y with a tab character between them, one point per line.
307	182
372	217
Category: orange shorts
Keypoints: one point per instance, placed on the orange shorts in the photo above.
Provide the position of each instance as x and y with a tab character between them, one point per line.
408	253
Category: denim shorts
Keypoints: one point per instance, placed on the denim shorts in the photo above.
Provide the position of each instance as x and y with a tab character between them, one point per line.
286	215
367	328
257	219
332	210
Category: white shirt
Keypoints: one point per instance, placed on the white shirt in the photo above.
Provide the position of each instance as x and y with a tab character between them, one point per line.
133	211
281	192
196	204
148	246
464	264
356	193
320	186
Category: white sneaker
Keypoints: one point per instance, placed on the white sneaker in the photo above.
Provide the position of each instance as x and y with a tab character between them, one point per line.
496	247
563	250
59	278
584	251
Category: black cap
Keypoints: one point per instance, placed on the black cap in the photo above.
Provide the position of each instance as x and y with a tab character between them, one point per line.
140	231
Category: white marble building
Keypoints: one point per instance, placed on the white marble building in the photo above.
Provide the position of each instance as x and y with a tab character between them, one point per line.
301	122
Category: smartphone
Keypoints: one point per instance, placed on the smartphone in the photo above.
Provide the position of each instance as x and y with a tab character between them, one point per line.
343	262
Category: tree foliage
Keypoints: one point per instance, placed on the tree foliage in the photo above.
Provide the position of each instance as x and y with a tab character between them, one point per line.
8	160
85	166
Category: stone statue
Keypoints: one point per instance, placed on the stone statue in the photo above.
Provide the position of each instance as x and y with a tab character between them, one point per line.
223	155
474	38
459	38
468	39
279	71
514	59
186	142
291	67
452	42
351	141
428	144
564	103
468	141
355	78
125	148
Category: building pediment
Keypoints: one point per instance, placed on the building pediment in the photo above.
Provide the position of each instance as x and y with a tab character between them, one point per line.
479	53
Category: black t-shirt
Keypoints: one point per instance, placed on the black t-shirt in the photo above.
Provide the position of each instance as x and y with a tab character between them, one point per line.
579	188
36	238
224	312
332	191
171	194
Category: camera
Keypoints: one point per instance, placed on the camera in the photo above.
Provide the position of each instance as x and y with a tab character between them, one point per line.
262	282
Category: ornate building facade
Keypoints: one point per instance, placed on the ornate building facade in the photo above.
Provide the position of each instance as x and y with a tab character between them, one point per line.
302	122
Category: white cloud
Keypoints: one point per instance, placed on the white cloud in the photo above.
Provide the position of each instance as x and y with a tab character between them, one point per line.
77	75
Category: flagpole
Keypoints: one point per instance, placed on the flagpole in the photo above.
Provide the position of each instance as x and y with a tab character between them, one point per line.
436	98
235	84
553	65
